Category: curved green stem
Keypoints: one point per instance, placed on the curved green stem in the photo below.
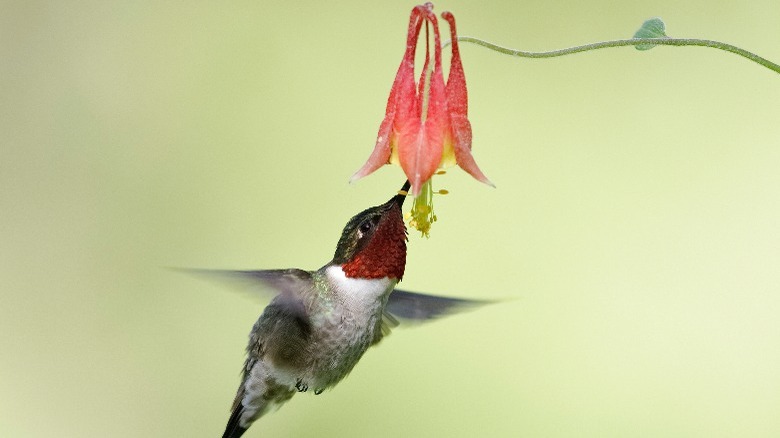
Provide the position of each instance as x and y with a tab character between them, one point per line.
626	42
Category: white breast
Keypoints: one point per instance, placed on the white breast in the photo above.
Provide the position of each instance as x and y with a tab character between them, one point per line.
360	295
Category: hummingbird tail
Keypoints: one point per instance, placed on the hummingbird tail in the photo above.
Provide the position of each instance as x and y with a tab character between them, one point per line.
255	399
234	429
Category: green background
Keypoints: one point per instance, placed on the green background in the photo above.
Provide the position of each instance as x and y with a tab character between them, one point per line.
635	227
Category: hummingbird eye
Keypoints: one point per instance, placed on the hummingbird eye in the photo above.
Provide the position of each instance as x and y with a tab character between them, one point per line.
366	226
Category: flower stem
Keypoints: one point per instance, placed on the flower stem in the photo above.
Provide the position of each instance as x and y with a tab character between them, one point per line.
625	42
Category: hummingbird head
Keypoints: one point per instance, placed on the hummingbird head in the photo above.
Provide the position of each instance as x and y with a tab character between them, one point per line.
373	243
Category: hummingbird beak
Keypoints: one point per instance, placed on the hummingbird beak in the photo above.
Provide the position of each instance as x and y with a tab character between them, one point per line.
401	196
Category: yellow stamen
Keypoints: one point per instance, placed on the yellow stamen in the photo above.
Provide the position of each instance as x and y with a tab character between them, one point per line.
422	210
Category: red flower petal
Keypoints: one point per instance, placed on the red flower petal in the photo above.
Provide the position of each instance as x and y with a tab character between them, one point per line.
420	143
398	103
461	143
457	108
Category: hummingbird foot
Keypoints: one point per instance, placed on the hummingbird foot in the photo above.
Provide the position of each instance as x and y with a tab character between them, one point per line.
300	386
318	391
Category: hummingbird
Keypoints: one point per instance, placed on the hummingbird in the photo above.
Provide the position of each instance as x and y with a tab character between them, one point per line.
319	323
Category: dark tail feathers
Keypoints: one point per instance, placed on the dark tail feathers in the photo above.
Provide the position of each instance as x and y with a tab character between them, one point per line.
234	429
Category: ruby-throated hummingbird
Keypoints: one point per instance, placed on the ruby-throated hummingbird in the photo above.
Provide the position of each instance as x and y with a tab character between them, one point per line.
319	323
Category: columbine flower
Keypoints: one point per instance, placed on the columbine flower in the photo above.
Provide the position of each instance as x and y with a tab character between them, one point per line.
426	127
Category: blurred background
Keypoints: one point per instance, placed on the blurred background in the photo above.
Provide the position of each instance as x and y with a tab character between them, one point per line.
635	227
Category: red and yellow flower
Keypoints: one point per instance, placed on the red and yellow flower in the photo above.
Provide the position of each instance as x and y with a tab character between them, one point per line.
426	126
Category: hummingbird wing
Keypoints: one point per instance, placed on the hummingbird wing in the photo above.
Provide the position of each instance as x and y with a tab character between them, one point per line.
264	283
413	307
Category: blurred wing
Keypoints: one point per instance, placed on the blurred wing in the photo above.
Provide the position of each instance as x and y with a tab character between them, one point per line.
264	284
411	307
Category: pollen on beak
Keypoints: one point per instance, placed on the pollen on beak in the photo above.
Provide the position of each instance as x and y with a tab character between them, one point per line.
401	196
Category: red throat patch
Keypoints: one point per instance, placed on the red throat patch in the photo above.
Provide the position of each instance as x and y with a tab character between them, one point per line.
385	254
